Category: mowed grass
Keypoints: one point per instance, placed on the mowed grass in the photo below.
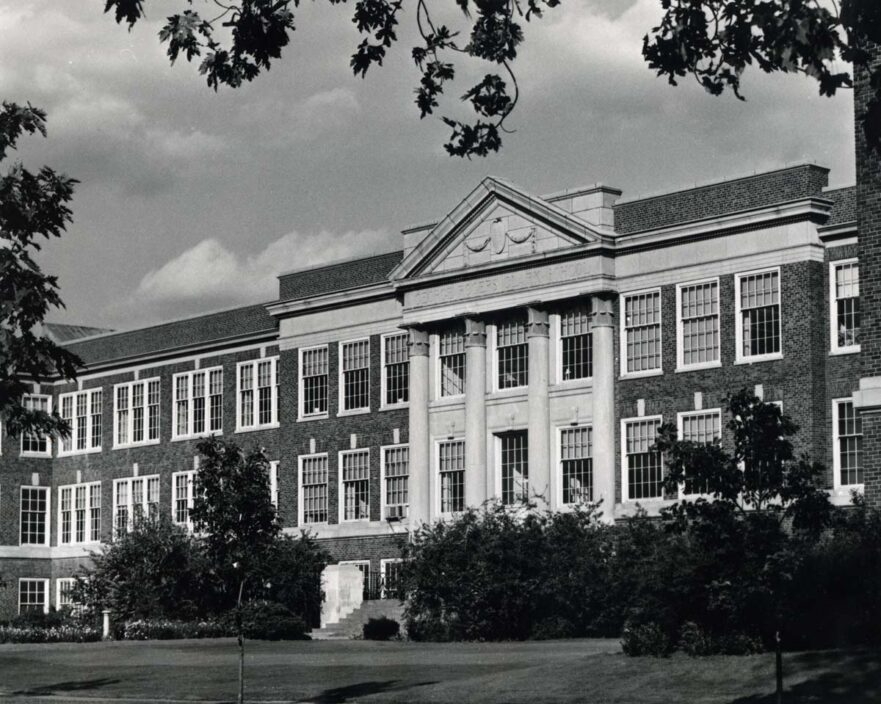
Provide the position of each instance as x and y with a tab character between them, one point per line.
331	672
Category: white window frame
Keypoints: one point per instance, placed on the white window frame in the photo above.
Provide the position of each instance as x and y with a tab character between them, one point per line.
497	447
341	384
130	423
740	358
302	414
130	502
255	400
48	438
341	485
680	327
836	459
556	321
493	336
382	373
47	517
45	592
559	459
71	581
74	430
88	508
622	333
190	475
191	433
680	417
300	503
437	360
437	474
833	309
382	480
383	563
625	489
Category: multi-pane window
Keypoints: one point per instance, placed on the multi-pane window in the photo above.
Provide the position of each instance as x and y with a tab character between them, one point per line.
134	499
451	468
355	370
846	305
36	443
451	353
391	578
313	488
257	397
758	299
577	464
82	410
698	308
198	403
576	344
848	444
313	381
34	518
701	427
79	513
64	594
396	472
355	476
33	596
642	332
512	354
395	370
643	466
136	412
515	466
182	491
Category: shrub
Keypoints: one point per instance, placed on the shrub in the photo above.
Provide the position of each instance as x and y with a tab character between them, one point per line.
267	620
553	627
694	641
645	639
163	629
381	628
67	633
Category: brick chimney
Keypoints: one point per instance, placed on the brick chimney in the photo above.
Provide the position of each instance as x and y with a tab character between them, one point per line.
868	398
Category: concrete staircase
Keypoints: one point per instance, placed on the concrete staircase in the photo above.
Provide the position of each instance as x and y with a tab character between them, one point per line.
352	625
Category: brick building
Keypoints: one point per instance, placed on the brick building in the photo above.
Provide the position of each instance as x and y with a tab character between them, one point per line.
521	345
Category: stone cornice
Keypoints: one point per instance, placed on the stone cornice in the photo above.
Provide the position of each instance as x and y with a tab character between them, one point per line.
329	301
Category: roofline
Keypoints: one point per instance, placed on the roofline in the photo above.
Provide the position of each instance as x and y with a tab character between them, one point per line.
336	262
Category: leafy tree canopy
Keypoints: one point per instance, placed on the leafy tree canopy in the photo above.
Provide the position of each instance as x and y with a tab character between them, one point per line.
32	206
713	40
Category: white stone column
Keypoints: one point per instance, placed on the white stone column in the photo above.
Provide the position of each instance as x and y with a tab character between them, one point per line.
539	416
602	326
476	480
420	455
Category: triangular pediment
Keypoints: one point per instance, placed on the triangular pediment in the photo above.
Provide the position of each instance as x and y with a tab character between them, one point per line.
495	223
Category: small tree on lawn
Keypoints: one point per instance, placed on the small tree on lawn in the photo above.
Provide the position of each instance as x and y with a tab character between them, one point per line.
233	509
760	494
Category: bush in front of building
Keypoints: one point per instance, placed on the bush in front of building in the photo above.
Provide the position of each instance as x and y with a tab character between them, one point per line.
66	633
381	628
165	629
268	620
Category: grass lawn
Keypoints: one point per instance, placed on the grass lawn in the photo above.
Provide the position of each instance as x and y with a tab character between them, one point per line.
331	672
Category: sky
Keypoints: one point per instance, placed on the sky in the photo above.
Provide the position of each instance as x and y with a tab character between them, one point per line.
192	200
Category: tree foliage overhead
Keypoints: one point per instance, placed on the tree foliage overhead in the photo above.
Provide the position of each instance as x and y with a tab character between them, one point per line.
32	206
713	40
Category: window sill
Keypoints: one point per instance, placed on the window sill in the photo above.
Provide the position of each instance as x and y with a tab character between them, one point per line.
75	453
520	391
641	375
447	401
395	406
130	446
353	412
572	383
36	455
759	358
197	436
839	351
315	416
268	426
697	367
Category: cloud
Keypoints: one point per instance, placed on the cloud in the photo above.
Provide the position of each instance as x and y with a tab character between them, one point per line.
209	276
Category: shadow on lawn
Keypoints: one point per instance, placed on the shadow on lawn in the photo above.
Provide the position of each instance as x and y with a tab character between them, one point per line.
72	686
339	695
853	678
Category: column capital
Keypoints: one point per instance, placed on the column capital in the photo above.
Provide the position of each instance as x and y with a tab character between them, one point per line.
537	322
475	332
419	342
603	310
